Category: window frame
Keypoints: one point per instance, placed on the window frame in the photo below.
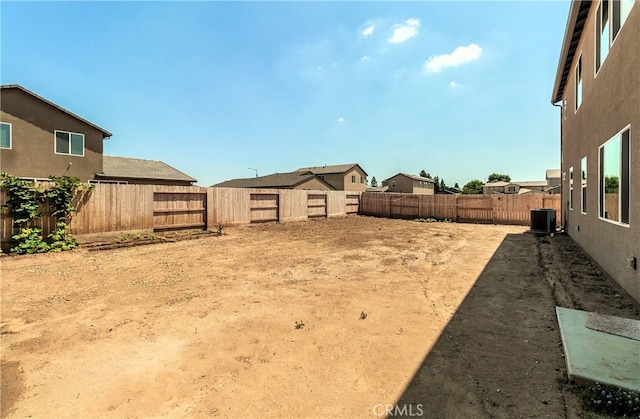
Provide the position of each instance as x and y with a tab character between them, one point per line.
583	185
55	143
598	59
571	188
601	184
578	84
10	136
353	178
393	183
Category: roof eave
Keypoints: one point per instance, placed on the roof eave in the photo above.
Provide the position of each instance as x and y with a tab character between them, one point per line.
105	134
573	30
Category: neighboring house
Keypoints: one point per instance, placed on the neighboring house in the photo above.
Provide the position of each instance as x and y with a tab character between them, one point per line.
39	139
514	187
292	180
554	181
553	177
139	171
405	183
343	177
597	86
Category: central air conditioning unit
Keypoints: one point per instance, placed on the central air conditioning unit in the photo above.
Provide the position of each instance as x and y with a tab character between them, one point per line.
543	220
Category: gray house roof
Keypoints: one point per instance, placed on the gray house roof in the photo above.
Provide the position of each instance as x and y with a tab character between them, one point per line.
105	133
126	167
325	170
415	177
276	180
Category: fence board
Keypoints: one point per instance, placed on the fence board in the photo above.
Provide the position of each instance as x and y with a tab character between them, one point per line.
498	209
120	207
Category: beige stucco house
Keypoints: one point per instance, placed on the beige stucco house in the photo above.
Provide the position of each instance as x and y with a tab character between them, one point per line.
597	90
342	177
404	183
39	138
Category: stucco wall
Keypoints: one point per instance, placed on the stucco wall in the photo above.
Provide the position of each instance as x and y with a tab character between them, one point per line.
33	123
611	102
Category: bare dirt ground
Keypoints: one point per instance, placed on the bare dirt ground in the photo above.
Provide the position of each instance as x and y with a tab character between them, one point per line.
326	318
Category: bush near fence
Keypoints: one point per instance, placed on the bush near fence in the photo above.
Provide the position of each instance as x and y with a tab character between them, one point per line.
111	208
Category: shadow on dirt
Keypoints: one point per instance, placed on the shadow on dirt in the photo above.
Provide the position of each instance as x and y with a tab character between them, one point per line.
501	353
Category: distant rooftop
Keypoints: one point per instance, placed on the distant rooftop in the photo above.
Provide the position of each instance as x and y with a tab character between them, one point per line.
276	180
324	170
126	167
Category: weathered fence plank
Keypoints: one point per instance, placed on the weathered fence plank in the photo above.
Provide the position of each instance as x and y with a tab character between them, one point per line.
496	209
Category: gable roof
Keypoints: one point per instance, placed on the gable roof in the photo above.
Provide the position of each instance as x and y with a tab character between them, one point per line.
575	24
126	167
275	180
497	183
414	177
325	170
105	133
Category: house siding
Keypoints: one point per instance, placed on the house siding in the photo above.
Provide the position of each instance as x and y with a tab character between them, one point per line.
32	152
610	102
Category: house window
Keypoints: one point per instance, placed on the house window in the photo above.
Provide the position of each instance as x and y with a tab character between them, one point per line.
362	179
393	183
5	135
353	178
69	143
579	83
602	33
610	17
620	10
583	185
512	189
614	178
571	188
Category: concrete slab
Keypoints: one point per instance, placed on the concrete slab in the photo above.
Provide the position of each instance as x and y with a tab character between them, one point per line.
596	356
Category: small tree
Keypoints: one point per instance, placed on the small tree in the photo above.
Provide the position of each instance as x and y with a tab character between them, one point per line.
473	187
497	177
374	182
423	173
442	185
456	186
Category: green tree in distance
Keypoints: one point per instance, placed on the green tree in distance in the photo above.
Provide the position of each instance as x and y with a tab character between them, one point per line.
611	184
497	177
473	187
374	182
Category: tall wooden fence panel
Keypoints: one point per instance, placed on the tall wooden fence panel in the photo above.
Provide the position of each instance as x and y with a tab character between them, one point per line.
497	209
110	208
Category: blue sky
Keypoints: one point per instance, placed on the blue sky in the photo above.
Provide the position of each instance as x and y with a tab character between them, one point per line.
459	89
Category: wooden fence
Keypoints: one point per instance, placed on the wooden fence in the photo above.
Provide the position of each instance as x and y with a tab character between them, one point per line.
136	208
127	208
496	209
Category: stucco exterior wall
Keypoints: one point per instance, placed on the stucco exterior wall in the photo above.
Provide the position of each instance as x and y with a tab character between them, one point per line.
404	184
313	185
32	152
611	102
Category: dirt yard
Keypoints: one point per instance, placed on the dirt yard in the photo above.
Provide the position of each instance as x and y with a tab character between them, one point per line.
347	317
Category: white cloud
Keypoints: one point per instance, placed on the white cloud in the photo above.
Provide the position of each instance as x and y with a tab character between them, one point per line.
368	30
459	56
405	31
364	58
341	120
453	84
